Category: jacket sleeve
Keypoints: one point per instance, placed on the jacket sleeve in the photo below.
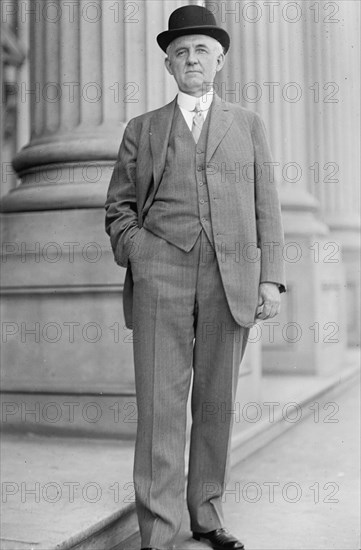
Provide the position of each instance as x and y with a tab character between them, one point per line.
268	211
121	220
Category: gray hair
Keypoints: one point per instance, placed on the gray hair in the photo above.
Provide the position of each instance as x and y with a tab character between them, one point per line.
217	46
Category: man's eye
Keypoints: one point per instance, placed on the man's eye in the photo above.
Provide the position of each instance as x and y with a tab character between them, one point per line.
201	50
181	52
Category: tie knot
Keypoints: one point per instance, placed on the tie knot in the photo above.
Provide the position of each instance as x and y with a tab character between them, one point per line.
197	108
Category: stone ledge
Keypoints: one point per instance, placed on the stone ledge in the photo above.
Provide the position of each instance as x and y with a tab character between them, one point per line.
275	388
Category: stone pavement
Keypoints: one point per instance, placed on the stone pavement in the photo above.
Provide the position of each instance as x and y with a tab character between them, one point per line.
54	489
300	492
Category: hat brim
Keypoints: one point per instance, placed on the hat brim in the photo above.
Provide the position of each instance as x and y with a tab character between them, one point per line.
219	34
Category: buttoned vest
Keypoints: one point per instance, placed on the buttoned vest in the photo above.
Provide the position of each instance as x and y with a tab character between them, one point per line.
181	205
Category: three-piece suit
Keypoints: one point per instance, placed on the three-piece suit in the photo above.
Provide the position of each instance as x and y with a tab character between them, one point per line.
198	227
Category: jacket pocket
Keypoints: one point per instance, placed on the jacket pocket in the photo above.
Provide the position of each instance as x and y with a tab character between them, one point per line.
134	244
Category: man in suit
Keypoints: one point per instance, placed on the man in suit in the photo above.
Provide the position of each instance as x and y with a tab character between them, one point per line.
195	219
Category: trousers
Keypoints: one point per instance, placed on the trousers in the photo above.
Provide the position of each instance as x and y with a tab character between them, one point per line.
183	330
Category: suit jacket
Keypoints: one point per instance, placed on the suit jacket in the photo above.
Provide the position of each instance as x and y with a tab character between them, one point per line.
245	210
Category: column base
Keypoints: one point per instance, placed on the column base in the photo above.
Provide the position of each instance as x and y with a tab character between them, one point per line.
62	319
64	171
309	336
347	233
64	339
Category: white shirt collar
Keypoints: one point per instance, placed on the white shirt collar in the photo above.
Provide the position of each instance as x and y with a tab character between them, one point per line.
188	102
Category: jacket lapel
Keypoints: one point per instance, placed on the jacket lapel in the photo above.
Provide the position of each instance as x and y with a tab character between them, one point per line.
221	119
160	127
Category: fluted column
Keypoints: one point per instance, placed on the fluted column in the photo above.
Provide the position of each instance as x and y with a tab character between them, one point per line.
265	67
14	45
345	219
274	62
75	116
93	66
338	109
333	63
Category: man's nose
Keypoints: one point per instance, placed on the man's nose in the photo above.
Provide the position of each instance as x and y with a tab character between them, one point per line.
192	58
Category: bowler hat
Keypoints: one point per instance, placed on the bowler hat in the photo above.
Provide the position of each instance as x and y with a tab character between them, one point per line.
192	19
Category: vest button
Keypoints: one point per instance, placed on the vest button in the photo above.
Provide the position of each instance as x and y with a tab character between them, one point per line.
199	168
201	201
199	151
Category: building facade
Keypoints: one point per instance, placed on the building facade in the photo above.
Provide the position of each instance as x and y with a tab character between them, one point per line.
74	73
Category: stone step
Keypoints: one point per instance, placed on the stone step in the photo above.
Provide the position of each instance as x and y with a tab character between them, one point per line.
77	494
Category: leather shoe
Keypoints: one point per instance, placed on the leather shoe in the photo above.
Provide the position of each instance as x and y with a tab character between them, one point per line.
220	539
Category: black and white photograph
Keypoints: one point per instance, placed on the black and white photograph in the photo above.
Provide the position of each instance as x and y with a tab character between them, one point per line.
180	275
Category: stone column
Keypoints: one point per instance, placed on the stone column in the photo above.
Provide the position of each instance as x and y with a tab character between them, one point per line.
93	66
271	64
13	64
337	117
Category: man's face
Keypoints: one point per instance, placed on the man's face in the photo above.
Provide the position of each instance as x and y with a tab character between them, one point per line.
194	61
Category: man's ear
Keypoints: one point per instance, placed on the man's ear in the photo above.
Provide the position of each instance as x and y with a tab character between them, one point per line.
168	66
220	62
